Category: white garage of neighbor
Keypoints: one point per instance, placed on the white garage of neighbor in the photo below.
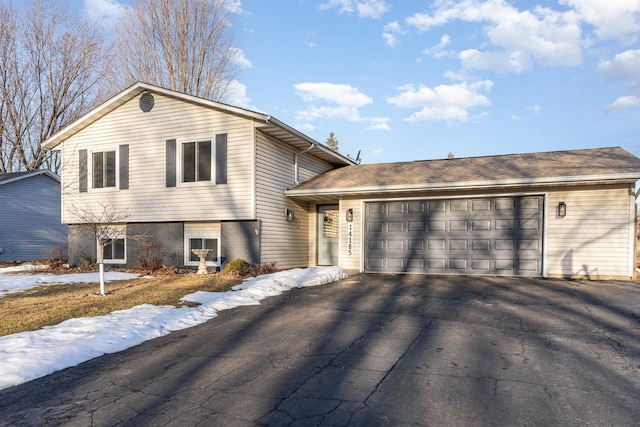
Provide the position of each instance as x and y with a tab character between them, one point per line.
553	214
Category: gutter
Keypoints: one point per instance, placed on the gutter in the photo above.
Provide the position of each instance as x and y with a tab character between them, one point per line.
296	168
469	185
270	120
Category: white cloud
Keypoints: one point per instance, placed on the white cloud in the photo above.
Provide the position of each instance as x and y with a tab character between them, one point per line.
390	33
379	123
624	67
336	101
623	103
107	12
377	153
234	6
444	102
438	51
345	6
238	56
372	9
612	19
237	95
550	37
517	61
305	127
535	109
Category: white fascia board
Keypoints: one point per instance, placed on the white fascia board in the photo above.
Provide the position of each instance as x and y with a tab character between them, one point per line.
468	185
128	94
34	173
318	145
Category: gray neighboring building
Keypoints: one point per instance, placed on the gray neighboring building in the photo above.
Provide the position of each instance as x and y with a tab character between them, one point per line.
30	226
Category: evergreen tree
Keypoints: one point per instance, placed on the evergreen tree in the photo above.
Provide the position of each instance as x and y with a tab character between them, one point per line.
332	142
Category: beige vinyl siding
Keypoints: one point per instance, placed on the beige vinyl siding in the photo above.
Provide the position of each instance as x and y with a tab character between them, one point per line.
594	239
285	243
148	199
351	262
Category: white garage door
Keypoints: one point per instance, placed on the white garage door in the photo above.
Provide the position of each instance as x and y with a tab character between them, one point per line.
496	236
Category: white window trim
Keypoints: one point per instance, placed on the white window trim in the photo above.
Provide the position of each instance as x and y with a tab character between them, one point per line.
180	163
90	186
187	250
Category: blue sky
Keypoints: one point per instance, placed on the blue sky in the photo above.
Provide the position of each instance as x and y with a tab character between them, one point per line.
407	80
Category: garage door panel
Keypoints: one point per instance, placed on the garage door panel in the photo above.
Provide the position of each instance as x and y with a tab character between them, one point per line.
458	225
481	225
436	226
395	245
459	264
416	207
436	264
415	226
375	227
481	265
415	245
458	245
466	236
394	227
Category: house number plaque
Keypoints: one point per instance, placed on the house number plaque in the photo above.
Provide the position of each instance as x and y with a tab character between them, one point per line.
349	238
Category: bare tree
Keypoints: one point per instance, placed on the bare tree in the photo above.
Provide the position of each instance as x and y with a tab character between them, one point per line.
105	222
52	66
184	45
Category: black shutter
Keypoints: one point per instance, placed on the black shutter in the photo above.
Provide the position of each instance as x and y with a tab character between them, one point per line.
124	166
221	158
171	162
82	168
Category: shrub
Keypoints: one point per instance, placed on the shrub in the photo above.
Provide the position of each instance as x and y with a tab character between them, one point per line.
241	268
151	255
237	267
88	260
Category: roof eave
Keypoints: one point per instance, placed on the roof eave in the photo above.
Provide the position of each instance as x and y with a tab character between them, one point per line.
127	95
467	185
46	172
327	151
139	88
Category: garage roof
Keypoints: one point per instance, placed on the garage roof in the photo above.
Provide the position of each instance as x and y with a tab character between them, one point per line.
549	168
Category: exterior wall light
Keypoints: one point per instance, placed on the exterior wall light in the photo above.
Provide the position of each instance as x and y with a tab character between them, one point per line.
562	210
349	215
290	215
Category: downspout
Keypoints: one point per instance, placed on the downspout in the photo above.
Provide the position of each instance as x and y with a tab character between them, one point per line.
296	171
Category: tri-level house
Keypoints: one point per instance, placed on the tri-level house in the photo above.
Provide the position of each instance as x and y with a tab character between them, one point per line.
188	173
197	174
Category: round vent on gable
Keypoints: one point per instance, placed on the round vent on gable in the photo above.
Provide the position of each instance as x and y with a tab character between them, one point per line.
146	102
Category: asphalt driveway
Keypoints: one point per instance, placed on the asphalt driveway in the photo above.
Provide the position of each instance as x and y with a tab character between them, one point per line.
371	350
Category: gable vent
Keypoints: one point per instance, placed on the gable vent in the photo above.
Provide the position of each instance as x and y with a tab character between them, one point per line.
146	102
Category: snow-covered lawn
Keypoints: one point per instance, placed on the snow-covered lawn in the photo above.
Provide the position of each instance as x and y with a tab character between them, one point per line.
30	355
11	283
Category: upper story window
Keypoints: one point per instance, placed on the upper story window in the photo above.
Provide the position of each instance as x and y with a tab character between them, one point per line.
196	161
106	169
103	169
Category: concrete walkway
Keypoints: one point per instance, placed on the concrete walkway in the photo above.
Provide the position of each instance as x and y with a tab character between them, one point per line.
371	350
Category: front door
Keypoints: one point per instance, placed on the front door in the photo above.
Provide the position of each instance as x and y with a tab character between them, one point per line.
327	235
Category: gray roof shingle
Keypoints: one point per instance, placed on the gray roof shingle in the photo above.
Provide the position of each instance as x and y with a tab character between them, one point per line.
557	166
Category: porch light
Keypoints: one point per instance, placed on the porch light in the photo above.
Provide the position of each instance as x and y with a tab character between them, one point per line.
349	215
562	210
290	215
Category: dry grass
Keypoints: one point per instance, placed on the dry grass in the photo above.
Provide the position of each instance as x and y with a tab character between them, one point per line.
50	305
